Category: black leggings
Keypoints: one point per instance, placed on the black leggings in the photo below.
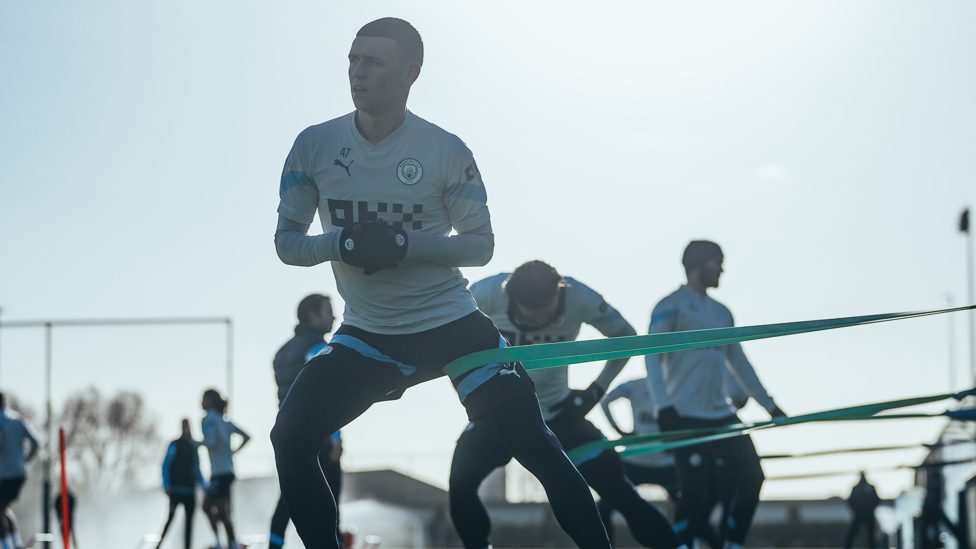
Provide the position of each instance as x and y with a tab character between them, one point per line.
279	521
665	477
863	521
189	502
479	451
343	381
696	493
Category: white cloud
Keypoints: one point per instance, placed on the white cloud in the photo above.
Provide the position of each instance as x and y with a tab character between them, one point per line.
772	172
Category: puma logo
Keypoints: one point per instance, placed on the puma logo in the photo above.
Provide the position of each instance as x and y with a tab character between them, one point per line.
343	166
506	371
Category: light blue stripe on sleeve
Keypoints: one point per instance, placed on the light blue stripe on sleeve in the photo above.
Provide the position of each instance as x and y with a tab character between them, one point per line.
362	348
469	191
294	179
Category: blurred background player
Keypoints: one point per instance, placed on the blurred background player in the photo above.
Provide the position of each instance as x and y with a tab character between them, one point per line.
14	434
59	512
390	188
181	475
863	502
690	391
217	431
315	319
532	305
657	468
648	468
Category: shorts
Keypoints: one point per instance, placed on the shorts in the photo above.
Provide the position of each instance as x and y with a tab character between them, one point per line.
395	362
478	440
10	488
188	501
220	485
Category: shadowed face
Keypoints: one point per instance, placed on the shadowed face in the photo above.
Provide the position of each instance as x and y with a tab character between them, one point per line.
208	402
323	318
379	78
710	272
542	314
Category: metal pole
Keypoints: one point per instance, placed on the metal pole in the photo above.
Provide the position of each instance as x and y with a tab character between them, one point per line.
46	499
972	301
1	313
230	360
952	347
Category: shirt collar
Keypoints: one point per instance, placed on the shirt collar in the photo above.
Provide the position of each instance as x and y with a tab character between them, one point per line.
390	140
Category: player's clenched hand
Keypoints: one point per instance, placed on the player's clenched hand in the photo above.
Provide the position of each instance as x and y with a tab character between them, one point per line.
668	418
373	245
578	403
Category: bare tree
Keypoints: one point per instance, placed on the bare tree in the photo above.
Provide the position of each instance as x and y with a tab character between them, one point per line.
25	410
108	442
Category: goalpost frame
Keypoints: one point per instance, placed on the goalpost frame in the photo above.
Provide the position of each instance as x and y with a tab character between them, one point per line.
49	325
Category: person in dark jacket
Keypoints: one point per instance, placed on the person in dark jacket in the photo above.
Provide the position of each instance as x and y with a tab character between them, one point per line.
181	474
863	501
315	319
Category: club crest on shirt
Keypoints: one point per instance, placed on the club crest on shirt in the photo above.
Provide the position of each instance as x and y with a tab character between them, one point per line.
409	171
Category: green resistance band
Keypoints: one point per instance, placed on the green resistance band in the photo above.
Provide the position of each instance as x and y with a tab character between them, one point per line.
934	465
657	442
863	450
574	352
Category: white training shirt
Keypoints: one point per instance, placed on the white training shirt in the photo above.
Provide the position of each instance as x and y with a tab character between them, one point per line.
638	392
581	304
694	381
13	432
216	437
420	178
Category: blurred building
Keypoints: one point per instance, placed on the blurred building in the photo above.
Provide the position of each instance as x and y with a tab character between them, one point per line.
409	513
946	481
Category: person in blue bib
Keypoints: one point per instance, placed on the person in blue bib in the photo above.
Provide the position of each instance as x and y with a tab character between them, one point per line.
18	445
181	476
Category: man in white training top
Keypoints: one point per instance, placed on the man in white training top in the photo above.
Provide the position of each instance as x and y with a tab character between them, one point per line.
533	305
390	188
691	393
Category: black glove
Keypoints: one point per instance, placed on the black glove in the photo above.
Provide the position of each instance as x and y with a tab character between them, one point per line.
578	403
373	245
777	413
668	418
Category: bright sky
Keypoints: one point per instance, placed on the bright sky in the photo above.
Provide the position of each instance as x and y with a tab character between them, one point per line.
827	146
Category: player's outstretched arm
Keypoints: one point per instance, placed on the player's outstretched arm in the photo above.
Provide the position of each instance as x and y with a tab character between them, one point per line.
472	248
745	374
31	442
238	430
612	396
622	328
296	247
610	323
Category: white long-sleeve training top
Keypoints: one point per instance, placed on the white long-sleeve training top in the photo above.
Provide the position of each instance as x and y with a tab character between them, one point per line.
694	381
